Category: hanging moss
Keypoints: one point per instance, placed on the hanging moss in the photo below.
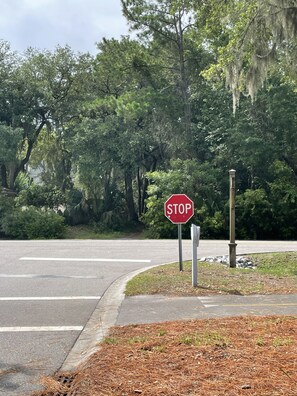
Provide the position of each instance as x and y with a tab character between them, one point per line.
256	42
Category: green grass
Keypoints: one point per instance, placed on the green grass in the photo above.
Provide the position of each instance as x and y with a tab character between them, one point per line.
208	338
277	264
88	232
110	341
276	273
282	341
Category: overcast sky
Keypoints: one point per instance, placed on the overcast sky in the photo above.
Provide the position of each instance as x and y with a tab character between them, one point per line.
44	24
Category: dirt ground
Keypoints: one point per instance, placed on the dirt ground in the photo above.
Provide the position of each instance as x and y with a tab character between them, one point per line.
242	356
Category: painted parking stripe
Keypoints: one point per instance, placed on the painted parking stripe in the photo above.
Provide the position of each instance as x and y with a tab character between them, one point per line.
50	298
84	259
40	328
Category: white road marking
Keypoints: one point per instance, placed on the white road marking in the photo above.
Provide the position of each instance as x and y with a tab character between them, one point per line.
210	305
50	298
84	259
205	298
31	276
207	302
40	328
261	305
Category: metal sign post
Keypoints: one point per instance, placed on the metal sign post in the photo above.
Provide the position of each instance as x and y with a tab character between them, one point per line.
179	208
180	247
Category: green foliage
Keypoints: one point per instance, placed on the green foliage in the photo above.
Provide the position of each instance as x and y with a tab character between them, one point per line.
213	226
39	90
200	183
154	219
283	197
41	196
269	213
254	36
32	223
113	136
51	159
6	207
10	143
254	215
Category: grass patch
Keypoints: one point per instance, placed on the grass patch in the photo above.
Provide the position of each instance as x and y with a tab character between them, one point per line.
277	264
110	341
207	338
275	273
88	232
282	341
137	340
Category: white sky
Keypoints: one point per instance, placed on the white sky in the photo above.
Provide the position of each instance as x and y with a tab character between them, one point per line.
44	24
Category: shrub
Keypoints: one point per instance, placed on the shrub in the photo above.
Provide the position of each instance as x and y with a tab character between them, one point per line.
6	207
155	221
212	226
254	215
32	223
41	196
200	183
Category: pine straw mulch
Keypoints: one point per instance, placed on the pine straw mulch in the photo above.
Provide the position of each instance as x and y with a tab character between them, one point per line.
242	356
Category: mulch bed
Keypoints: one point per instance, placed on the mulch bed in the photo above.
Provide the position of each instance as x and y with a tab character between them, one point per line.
242	356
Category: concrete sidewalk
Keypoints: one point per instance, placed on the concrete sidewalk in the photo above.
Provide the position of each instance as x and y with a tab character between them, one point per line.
158	308
116	309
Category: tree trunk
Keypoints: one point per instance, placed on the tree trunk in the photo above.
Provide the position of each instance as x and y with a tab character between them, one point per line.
139	184
14	171
4	177
184	83
143	183
132	215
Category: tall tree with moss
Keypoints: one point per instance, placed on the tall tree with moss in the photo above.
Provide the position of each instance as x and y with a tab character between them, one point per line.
255	35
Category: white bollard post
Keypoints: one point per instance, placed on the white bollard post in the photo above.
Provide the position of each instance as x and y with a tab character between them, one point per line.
195	236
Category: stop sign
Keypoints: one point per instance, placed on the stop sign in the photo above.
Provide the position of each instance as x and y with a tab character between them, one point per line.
179	208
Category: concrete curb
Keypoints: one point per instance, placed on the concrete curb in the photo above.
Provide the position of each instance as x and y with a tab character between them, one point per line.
104	316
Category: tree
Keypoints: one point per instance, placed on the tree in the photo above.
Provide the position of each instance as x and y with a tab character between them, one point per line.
255	34
41	92
11	140
119	138
167	25
202	183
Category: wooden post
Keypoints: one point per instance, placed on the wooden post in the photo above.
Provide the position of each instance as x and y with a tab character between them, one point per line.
232	244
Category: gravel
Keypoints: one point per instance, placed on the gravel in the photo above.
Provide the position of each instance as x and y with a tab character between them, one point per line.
241	262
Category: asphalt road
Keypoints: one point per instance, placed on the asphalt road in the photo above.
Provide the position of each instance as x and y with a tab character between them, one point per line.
50	289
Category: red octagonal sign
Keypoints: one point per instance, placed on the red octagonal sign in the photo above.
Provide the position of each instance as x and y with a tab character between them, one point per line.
179	208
